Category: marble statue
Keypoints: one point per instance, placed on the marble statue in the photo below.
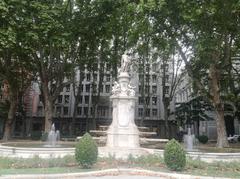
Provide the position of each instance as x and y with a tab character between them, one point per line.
116	88
125	63
123	131
131	91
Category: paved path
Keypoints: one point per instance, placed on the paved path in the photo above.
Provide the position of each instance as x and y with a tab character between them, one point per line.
121	177
124	173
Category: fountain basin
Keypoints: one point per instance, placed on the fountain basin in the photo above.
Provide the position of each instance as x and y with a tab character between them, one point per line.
104	133
29	152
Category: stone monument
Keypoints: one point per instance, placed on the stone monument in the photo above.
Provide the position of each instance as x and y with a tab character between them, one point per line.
123	131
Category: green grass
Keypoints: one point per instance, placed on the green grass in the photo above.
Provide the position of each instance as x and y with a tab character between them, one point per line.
152	162
53	170
218	169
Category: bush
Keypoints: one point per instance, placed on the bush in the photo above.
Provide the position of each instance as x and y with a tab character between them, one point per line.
44	136
86	151
174	156
36	135
203	139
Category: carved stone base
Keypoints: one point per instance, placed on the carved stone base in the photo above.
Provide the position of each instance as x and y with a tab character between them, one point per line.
123	132
123	137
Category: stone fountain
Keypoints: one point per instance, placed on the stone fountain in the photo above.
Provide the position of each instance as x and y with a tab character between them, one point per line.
123	131
189	140
53	137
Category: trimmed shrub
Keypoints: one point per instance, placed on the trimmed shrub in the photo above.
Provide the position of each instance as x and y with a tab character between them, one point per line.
44	136
36	135
174	156
86	151
203	139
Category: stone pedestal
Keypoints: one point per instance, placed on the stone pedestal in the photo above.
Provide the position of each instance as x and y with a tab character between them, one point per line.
123	132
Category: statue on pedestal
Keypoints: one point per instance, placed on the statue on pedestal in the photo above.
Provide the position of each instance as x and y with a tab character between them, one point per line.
116	89
125	63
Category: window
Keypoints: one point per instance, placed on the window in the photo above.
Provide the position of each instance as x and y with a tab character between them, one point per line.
154	89
80	99
79	111
88	88
154	67
86	99
166	67
85	111
147	89
140	112
58	111
82	76
100	88
66	99
154	78
167	78
95	66
140	100
147	100
102	111
59	100
88	77
65	111
82	88
107	88
147	67
95	77
154	100
91	111
108	67
166	89
141	77
140	89
101	77
67	88
108	77
94	88
147	78
154	112
147	112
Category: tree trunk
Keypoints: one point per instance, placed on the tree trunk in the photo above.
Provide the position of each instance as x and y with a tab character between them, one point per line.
218	106
72	125
48	114
166	126
10	118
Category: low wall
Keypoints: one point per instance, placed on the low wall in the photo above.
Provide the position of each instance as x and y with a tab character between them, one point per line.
7	151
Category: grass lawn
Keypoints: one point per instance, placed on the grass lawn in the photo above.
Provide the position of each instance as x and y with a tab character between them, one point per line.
152	162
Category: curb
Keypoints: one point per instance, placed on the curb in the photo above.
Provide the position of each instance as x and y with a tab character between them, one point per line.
109	172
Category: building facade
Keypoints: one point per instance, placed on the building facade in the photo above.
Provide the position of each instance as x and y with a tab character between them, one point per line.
148	111
206	118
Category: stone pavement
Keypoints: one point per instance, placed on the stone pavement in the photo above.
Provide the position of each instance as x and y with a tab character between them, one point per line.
121	173
122	177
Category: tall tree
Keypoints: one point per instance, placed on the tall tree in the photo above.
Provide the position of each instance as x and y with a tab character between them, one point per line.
15	63
49	36
204	34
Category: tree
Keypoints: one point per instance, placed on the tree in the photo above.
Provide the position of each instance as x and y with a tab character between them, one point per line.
205	34
49	35
15	63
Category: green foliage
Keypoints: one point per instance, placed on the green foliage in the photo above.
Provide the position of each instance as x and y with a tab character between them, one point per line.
147	161
203	139
86	151
174	156
36	162
36	135
44	136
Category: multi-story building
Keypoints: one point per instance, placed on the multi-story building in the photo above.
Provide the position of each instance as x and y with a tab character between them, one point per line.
207	124
148	110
